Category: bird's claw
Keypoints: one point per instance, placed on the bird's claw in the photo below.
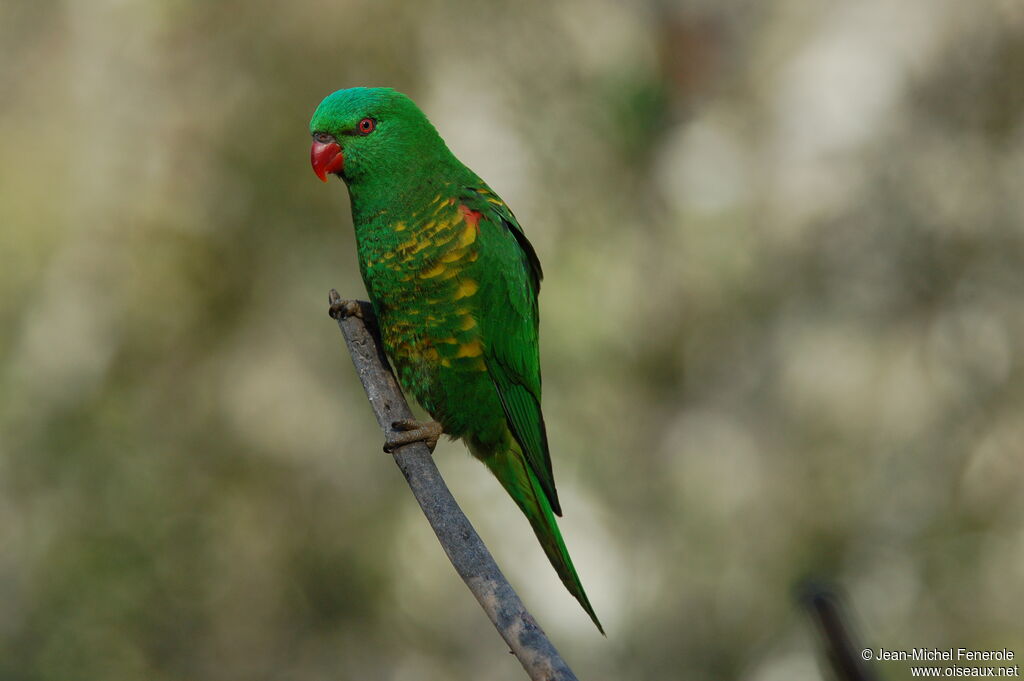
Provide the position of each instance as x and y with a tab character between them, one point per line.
340	309
411	431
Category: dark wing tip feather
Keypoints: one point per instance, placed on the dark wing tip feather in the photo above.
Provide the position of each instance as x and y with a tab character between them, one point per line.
535	450
552	495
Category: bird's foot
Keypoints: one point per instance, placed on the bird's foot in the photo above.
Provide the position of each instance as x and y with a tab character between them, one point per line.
340	309
413	431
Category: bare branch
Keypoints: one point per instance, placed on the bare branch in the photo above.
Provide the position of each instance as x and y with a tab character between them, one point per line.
460	541
838	638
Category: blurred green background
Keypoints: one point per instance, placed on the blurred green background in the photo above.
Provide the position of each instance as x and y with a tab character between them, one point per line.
781	329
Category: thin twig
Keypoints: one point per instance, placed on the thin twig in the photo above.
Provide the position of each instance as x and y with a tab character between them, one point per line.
839	639
460	541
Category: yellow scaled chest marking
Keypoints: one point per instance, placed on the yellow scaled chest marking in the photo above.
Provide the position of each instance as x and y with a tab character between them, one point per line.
434	252
467	287
432	272
471	349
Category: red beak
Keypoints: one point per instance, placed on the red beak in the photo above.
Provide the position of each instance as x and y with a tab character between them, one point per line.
326	158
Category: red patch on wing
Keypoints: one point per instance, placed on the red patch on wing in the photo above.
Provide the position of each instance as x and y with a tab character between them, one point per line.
471	216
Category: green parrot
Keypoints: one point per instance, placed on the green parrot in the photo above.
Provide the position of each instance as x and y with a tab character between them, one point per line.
453	282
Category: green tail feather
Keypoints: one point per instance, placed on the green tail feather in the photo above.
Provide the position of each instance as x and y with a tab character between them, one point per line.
509	466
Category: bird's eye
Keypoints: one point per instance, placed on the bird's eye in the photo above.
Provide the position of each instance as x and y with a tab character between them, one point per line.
322	137
366	126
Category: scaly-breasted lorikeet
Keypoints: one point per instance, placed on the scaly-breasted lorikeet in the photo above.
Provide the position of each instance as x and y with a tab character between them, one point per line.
453	282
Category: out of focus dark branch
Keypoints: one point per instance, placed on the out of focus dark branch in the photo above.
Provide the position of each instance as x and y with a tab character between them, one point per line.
838	637
460	541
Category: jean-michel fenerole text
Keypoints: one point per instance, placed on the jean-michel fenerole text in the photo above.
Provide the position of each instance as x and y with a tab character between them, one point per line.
932	654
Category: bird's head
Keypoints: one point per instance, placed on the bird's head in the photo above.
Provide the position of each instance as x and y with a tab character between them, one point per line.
370	132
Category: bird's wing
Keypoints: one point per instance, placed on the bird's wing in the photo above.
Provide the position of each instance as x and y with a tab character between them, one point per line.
511	351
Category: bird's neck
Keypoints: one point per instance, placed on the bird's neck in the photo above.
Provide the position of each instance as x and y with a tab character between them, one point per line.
405	189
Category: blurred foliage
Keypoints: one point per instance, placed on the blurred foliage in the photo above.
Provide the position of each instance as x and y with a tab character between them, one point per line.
782	334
